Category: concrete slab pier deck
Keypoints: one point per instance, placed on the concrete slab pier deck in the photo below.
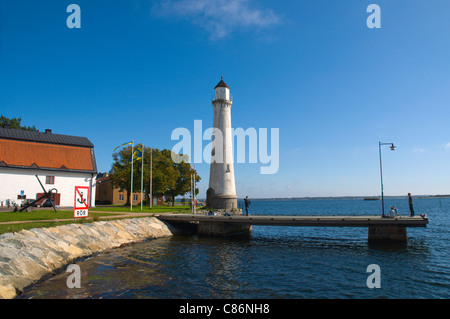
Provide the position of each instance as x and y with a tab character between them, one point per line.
379	229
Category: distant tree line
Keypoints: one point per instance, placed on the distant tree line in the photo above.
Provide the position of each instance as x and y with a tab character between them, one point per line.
168	178
15	123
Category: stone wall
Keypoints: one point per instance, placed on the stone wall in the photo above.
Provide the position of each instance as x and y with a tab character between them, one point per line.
28	255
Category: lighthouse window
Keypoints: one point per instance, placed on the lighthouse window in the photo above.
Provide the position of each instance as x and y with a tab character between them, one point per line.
228	168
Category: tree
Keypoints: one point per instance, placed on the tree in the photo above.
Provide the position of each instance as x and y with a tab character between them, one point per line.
164	174
120	173
183	182
168	178
14	123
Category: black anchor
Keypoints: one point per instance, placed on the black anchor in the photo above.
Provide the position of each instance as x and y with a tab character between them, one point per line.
83	200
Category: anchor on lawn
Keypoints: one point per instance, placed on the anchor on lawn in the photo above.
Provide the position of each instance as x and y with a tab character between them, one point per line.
50	194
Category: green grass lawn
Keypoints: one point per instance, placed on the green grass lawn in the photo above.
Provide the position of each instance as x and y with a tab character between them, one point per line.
137	209
38	215
94	214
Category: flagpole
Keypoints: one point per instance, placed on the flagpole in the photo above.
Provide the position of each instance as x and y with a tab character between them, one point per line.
193	192
131	195
151	172
142	175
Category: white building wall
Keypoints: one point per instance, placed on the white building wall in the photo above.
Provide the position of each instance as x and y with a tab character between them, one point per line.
12	181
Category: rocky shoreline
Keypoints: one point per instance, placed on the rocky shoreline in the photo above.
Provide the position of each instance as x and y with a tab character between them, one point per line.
29	255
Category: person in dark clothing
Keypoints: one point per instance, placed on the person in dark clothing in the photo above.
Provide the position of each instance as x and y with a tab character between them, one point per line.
247	204
411	209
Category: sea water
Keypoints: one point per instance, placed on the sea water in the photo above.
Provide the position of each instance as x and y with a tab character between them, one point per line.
276	262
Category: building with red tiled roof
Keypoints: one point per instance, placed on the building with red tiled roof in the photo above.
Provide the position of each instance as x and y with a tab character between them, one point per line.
59	161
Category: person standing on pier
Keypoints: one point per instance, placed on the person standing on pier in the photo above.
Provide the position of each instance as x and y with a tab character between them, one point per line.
411	209
247	204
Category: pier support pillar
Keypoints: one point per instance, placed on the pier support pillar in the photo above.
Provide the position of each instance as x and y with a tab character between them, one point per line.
388	233
217	229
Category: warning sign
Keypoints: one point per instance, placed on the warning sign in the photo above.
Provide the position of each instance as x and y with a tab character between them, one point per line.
81	205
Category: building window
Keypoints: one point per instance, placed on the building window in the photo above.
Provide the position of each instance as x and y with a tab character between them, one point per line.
49	179
135	197
121	197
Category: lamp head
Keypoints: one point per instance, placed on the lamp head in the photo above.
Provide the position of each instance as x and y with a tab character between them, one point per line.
392	147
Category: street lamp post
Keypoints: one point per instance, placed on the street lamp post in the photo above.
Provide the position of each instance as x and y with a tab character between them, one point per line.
381	173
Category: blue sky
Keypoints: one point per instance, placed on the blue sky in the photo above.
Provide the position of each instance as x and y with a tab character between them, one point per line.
334	88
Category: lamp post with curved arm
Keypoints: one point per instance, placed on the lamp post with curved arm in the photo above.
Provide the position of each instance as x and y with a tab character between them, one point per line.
381	173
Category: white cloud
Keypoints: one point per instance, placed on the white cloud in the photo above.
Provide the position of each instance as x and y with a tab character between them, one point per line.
447	146
419	150
218	17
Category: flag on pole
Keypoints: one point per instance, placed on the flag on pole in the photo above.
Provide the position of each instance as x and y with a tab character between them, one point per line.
137	154
123	145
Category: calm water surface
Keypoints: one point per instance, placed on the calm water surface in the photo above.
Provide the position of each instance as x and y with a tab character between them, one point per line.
276	262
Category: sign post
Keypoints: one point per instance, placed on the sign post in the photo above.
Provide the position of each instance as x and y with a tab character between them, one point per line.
81	203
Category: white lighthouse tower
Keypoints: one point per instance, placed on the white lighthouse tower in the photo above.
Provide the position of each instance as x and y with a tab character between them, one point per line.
221	193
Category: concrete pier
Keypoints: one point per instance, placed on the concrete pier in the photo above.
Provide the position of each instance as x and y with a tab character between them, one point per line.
387	233
223	229
379	229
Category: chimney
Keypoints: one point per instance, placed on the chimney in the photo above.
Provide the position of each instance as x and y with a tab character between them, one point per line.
48	131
